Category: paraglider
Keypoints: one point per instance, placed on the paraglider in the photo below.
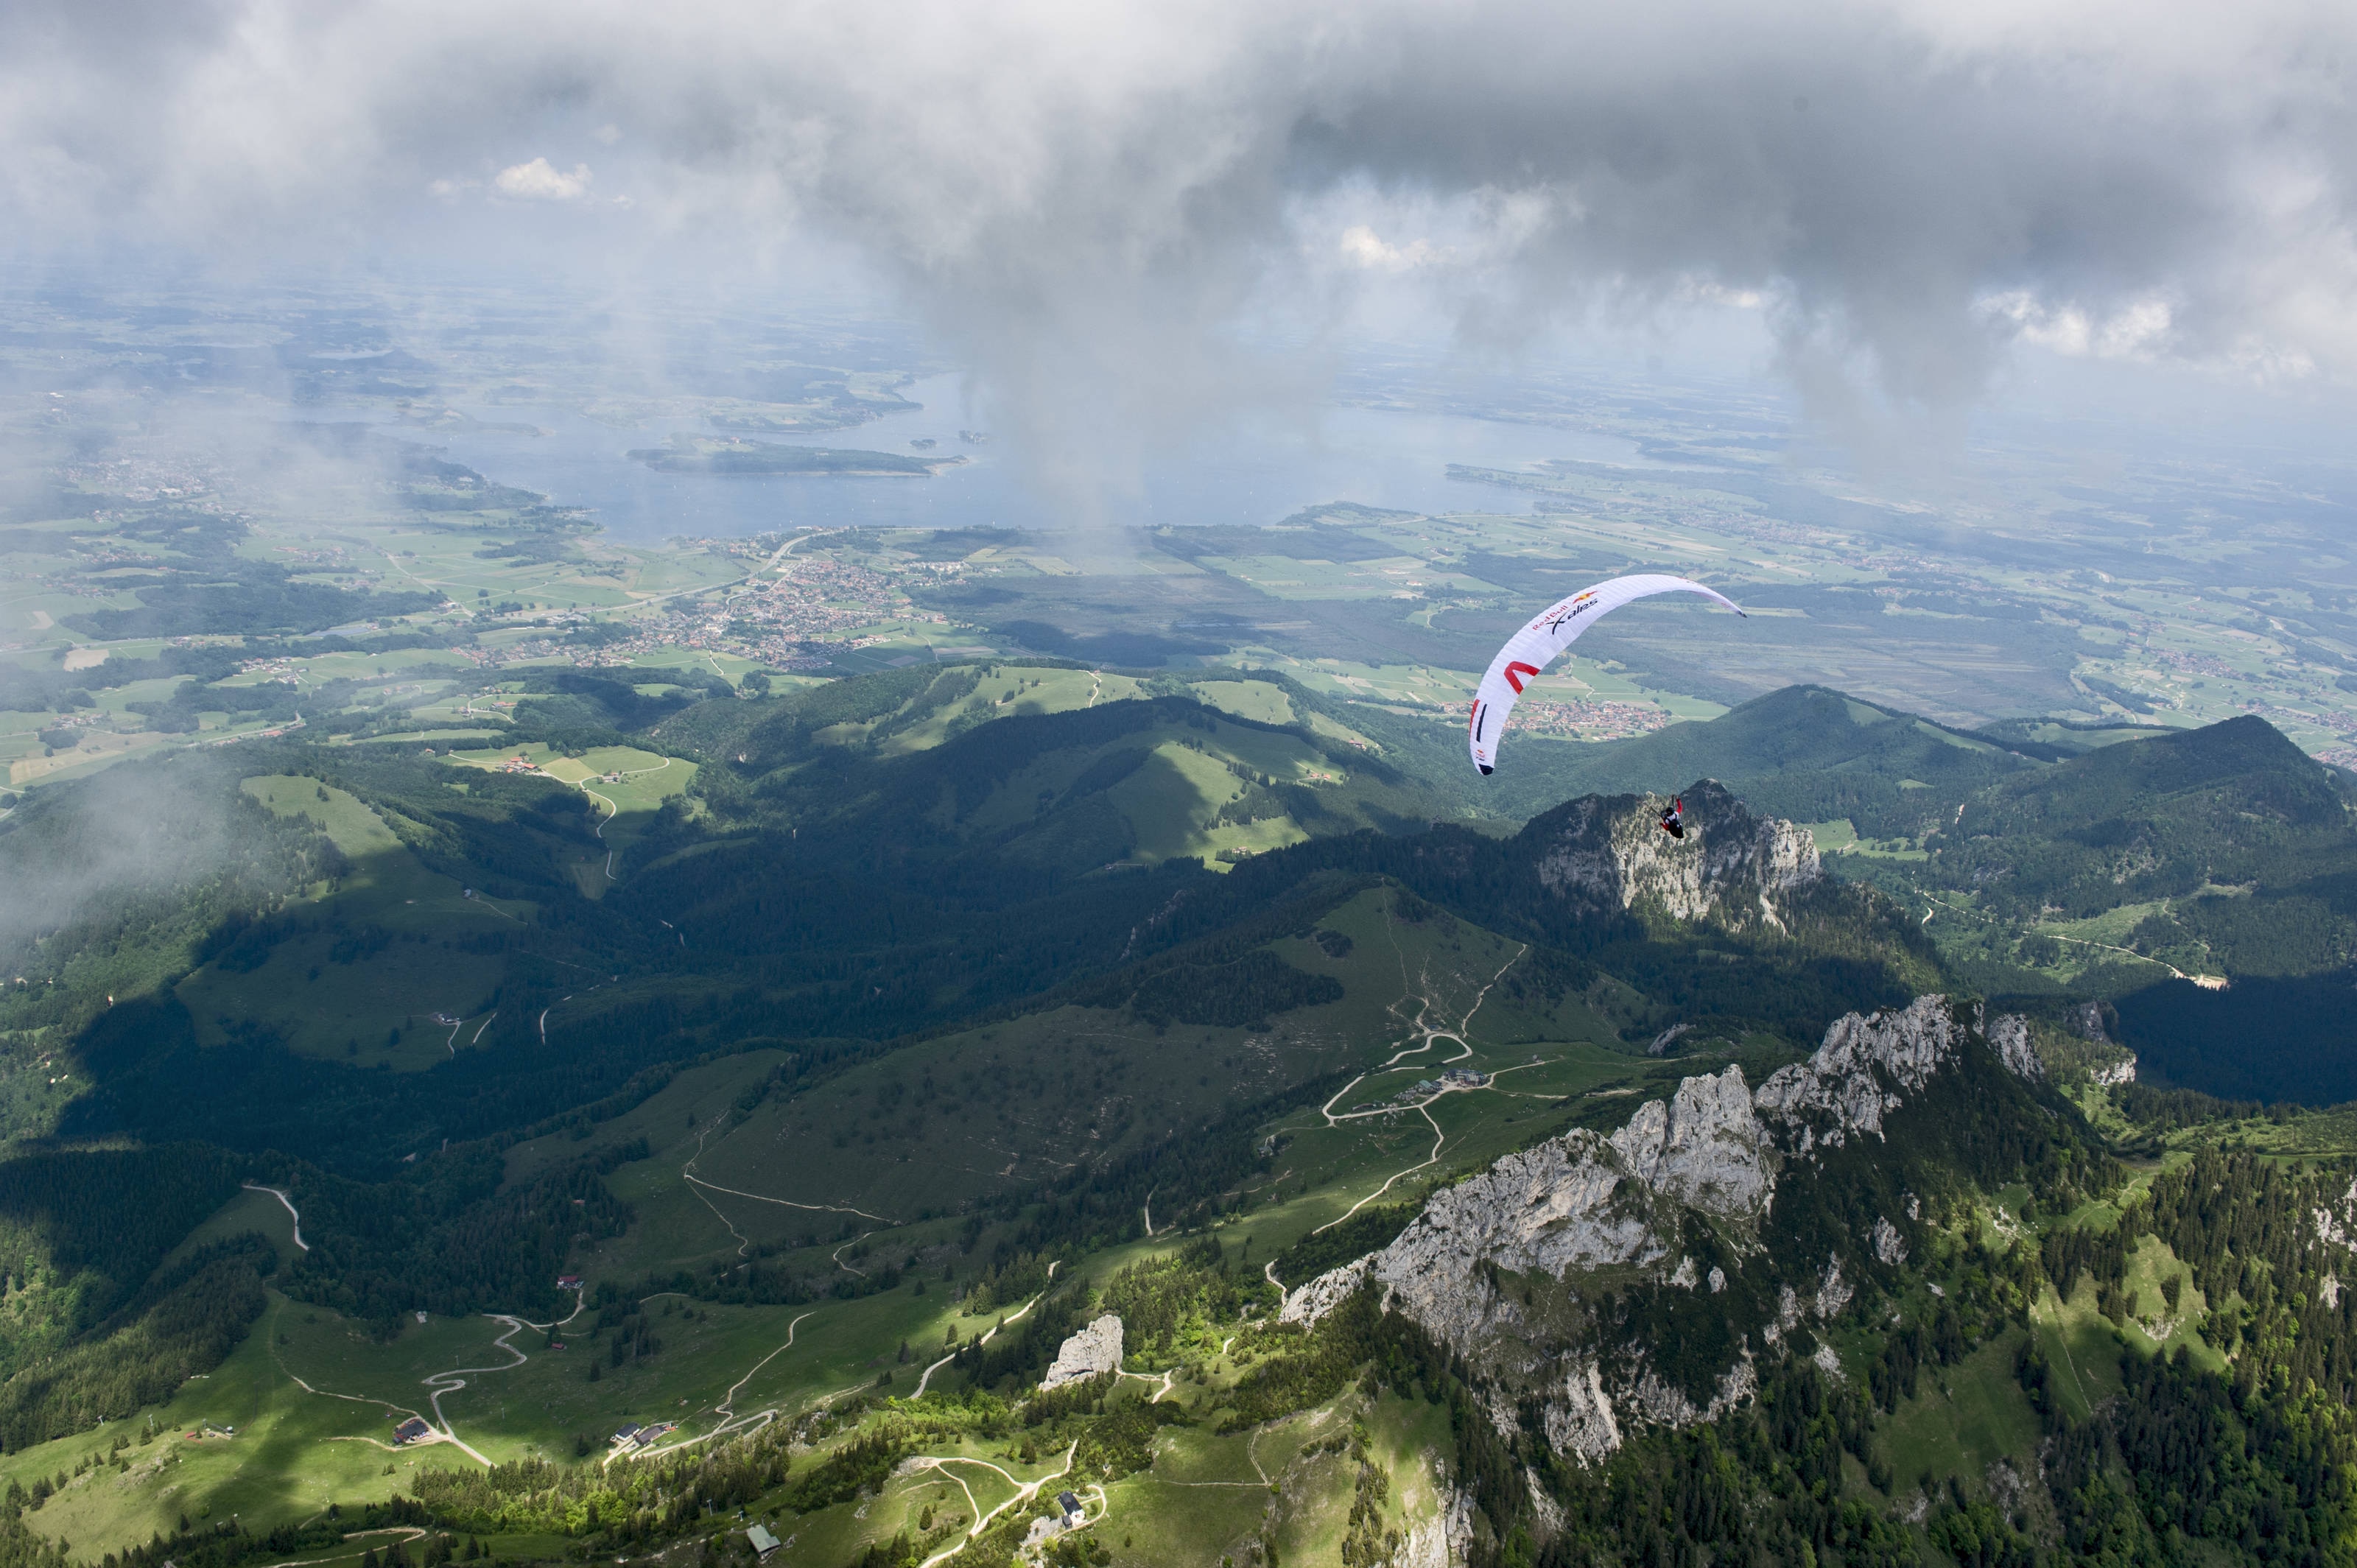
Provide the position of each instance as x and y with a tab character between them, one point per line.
1534	647
1673	821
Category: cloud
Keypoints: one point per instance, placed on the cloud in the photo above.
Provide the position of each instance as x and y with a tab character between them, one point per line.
135	831
1092	202
538	181
1362	247
2139	329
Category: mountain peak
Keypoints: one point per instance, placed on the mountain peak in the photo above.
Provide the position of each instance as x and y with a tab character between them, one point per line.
1604	854
2259	769
1687	1201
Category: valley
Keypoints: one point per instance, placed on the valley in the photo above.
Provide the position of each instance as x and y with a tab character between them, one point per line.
524	1043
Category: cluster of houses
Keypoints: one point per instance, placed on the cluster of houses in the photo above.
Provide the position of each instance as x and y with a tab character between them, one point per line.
630	1439
1424	1089
1455	1078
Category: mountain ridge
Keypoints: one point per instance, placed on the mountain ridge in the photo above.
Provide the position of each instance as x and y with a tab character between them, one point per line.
1615	1209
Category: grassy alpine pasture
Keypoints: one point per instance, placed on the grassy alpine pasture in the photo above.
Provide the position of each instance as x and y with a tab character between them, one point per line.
1004	690
625	785
386	885
252	1210
380	1011
1963	1419
288	1455
1176	786
362	980
988	1109
1426	988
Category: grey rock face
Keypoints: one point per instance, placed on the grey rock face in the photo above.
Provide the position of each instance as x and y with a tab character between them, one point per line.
1443	1540
1323	1294
1703	1148
1580	1203
2008	1036
1586	1206
1580	1420
1605	854
1093	1350
2086	1021
1838	1092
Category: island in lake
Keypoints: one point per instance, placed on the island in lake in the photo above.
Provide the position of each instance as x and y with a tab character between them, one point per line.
705	455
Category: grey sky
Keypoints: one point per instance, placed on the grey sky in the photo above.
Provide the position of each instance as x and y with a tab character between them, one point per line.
1100	205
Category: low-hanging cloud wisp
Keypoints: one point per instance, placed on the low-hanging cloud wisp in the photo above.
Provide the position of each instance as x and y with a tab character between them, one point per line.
1087	201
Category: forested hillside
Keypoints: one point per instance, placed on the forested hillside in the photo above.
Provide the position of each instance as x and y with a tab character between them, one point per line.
1512	1188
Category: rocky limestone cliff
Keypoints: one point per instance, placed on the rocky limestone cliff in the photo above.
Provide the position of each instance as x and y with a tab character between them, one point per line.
1604	854
1093	1350
1838	1091
2009	1037
1587	1214
1579	1204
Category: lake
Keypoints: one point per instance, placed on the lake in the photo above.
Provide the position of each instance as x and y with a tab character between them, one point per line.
1374	456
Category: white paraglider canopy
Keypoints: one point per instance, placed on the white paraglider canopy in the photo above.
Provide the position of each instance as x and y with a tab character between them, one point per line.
1534	647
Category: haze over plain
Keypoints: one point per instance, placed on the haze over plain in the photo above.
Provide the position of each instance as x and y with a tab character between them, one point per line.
735	810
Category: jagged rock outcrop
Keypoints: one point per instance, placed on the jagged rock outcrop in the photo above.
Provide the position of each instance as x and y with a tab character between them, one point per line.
2009	1037
1093	1350
1595	1212
1604	854
1324	1293
1838	1091
1580	1420
1442	1539
1581	1202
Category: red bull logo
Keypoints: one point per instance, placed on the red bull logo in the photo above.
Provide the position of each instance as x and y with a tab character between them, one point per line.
1571	609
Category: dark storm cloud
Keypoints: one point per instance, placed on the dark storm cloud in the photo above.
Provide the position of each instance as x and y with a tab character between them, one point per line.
1089	199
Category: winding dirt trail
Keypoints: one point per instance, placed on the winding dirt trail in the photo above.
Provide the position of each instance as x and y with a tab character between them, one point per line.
836	1256
408	1532
1421	990
613	810
687	1174
300	1244
1432	1034
2207	981
1164	1381
731	1423
442	1383
927	1375
437	1385
1024	1492
1438	1138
